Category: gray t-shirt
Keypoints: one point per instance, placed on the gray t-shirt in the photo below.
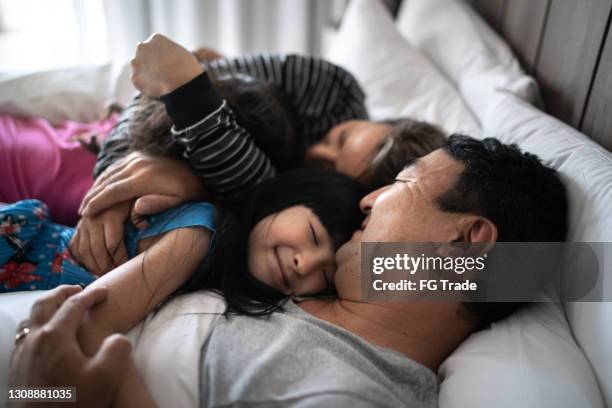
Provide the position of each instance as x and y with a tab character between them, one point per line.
295	359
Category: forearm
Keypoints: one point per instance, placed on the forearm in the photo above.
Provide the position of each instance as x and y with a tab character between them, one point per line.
265	67
136	287
218	149
334	97
322	94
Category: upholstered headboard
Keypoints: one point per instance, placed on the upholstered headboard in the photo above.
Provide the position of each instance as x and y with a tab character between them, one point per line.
567	47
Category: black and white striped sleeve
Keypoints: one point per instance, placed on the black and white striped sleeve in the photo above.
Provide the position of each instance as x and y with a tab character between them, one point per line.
218	149
323	94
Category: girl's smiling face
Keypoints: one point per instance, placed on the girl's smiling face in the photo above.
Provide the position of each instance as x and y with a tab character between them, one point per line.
292	252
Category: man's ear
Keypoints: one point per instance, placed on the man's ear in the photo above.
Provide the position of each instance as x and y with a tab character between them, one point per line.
472	229
477	229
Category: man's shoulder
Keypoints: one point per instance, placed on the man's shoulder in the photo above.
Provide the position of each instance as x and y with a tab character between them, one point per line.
293	353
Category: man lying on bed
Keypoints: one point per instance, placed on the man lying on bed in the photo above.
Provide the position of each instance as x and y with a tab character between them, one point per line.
342	351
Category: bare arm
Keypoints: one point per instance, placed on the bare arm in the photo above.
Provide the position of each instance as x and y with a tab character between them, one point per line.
140	284
134	289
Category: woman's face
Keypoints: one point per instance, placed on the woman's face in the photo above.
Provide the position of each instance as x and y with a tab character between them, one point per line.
349	147
292	252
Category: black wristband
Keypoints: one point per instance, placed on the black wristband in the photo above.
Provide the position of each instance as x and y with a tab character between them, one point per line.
192	102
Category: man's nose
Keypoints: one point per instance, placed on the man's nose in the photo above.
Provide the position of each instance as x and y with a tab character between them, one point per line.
367	202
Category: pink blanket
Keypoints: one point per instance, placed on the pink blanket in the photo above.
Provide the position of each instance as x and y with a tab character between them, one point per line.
44	162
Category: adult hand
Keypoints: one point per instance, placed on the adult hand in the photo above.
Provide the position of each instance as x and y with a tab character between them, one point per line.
98	241
156	183
160	66
50	356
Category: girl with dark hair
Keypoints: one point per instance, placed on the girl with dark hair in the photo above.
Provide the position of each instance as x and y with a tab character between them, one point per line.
284	232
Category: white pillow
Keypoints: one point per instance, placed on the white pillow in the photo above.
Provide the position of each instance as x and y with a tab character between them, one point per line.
587	171
529	360
167	341
167	347
398	80
466	49
78	94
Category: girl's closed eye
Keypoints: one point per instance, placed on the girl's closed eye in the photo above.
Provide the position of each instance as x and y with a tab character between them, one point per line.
291	252
292	226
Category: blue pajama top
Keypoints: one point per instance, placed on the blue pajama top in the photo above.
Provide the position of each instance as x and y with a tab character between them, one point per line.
34	251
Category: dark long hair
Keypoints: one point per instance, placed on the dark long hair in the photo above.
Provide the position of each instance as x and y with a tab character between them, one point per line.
259	107
332	196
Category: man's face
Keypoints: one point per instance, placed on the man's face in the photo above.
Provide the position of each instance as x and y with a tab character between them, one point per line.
405	211
349	146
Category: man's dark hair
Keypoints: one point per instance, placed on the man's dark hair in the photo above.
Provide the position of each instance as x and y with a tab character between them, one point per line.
525	200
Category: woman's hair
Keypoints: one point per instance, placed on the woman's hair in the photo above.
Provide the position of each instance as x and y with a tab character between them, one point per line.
332	196
259	107
409	139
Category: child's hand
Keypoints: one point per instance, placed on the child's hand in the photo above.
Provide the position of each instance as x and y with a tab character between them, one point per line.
98	241
160	66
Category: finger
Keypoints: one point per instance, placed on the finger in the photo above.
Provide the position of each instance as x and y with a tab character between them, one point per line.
24	324
74	244
100	182
87	258
113	236
70	314
110	361
120	253
99	251
119	165
47	305
139	221
95	191
155	203
119	172
116	193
